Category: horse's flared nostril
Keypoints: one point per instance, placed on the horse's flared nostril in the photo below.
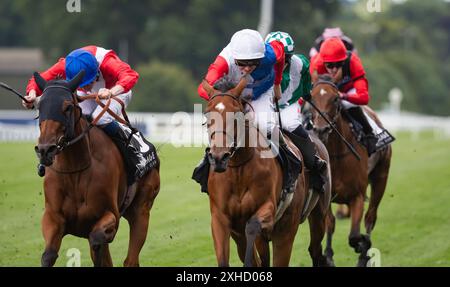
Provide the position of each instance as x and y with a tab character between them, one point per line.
46	153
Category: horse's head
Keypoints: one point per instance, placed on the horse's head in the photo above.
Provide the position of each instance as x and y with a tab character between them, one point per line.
57	112
224	109
325	96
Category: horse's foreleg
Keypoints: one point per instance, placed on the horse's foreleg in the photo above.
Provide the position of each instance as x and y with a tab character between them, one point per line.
378	180
252	229
331	224
317	227
102	234
220	227
263	248
361	243
282	248
101	256
53	232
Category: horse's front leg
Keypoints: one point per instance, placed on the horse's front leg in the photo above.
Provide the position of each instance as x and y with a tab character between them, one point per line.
220	226
262	220
53	232
101	234
360	242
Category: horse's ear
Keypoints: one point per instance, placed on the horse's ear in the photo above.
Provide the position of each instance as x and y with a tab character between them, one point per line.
39	81
75	82
208	88
237	91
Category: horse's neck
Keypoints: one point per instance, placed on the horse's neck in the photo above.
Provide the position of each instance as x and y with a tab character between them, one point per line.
245	153
76	156
336	145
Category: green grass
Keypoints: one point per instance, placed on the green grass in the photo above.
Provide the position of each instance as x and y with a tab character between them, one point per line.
412	228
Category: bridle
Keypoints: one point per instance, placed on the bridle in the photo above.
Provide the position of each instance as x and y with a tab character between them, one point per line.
68	138
236	144
336	102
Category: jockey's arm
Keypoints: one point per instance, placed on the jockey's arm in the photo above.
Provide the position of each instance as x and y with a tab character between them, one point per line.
215	71
56	71
359	95
125	76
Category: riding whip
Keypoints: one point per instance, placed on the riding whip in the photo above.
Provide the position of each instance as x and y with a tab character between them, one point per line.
6	87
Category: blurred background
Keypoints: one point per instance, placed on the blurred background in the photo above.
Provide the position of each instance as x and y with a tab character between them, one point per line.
404	47
402	44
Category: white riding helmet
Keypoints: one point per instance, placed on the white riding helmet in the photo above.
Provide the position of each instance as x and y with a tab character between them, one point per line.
247	45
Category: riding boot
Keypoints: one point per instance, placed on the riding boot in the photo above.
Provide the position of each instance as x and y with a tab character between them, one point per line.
201	173
135	163
369	140
313	162
290	163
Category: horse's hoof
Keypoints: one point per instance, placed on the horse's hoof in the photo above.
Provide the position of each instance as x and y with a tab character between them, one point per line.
362	261
330	262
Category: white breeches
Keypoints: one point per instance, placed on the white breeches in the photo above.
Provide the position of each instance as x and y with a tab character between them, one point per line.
264	115
291	117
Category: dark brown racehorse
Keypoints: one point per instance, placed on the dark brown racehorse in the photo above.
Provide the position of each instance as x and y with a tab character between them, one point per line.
245	192
85	180
350	175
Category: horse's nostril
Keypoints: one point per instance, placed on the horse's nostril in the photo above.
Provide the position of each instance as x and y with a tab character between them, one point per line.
226	156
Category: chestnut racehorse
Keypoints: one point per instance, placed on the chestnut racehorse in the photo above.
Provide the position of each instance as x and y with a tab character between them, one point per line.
245	190
85	180
350	175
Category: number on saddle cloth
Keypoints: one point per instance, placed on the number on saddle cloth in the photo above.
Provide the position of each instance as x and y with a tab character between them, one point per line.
144	156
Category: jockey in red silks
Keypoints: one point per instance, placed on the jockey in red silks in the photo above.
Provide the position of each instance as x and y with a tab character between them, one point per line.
262	64
108	76
348	73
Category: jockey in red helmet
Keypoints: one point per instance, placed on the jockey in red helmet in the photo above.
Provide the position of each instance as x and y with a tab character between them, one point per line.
348	73
331	33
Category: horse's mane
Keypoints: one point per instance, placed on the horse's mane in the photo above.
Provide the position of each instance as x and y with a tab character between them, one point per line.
325	78
224	84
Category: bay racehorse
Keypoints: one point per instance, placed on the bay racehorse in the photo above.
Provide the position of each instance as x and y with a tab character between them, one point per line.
350	176
85	180
245	190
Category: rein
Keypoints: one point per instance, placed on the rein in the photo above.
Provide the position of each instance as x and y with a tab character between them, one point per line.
63	144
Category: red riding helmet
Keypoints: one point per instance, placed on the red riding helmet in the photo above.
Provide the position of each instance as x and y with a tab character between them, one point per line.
333	50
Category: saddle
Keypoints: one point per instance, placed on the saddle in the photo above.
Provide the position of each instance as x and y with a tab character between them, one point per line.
144	156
